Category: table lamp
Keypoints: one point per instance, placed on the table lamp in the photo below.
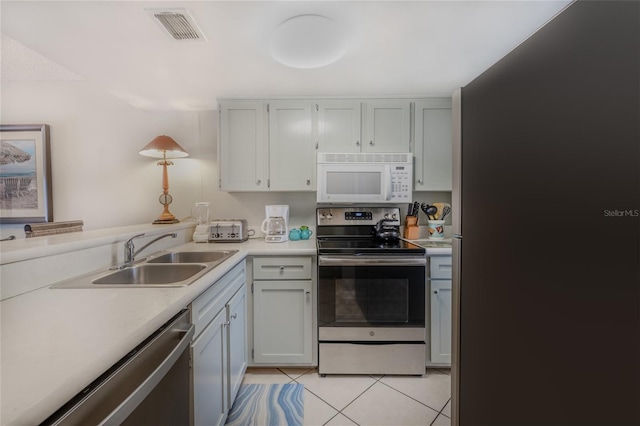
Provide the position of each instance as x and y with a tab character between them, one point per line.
164	147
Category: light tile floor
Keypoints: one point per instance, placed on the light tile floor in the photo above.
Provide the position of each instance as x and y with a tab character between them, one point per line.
343	400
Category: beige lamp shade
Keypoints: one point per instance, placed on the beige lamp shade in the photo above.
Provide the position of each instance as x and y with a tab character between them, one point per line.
163	145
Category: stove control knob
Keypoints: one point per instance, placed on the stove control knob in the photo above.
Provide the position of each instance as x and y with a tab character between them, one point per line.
372	333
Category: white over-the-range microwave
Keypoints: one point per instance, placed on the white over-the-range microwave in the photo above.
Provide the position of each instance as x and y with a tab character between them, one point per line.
348	178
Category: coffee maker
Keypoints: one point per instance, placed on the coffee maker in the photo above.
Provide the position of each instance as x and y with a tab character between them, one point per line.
201	213
276	224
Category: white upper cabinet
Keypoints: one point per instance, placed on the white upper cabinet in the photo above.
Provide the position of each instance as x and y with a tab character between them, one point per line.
433	145
291	146
272	145
387	126
339	125
243	146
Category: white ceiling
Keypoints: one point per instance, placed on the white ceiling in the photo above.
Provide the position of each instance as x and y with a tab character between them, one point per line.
395	48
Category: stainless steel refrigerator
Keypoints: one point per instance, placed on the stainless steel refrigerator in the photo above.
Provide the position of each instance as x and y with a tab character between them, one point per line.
546	292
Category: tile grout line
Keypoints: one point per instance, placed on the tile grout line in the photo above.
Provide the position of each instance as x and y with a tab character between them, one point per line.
338	410
354	399
376	380
440	413
419	402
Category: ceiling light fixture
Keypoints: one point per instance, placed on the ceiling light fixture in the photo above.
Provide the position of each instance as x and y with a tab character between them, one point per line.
308	41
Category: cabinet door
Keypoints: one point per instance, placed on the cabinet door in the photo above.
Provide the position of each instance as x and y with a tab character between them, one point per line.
291	147
339	126
243	146
209	357
282	321
441	321
237	320
387	126
433	151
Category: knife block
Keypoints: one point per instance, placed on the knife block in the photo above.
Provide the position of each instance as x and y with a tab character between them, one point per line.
411	229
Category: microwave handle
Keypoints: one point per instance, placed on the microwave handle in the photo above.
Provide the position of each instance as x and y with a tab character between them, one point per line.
387	182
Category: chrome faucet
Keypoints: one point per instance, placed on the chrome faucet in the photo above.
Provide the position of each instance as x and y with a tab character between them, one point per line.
130	254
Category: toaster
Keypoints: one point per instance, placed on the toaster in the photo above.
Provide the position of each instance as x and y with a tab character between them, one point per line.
228	231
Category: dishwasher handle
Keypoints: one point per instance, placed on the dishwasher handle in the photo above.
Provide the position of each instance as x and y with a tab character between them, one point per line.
127	406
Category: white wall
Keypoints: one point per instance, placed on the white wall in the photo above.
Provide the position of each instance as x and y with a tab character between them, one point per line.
97	174
99	177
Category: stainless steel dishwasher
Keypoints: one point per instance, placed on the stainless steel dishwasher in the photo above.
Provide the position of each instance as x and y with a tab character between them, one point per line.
149	386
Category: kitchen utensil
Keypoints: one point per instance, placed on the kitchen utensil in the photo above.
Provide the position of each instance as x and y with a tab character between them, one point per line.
446	210
430	211
416	209
439	206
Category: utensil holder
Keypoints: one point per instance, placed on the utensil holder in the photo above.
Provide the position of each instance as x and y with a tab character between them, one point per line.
411	229
435	229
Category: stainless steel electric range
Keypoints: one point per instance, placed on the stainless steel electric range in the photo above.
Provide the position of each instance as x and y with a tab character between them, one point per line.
371	293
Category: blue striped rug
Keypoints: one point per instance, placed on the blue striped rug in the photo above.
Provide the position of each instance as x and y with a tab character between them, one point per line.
268	405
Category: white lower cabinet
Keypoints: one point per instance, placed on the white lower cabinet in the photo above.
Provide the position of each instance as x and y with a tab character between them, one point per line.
439	311
218	351
441	321
283	311
237	318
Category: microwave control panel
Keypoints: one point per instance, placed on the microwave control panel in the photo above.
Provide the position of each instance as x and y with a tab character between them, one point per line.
401	183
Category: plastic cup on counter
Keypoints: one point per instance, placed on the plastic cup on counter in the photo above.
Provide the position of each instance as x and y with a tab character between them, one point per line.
436	229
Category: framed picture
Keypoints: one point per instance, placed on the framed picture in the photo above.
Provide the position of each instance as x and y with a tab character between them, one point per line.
25	174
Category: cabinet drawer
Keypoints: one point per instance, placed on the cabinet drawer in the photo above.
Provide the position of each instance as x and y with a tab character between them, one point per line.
212	301
282	268
440	267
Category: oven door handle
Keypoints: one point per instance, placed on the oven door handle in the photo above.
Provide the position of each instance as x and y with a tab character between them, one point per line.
365	260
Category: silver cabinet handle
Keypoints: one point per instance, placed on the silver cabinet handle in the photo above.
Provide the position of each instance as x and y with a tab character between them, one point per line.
282	268
258	182
435	292
234	316
357	143
308	182
420	181
307	293
371	143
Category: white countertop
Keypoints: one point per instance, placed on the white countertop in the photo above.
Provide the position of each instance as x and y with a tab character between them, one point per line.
435	247
56	341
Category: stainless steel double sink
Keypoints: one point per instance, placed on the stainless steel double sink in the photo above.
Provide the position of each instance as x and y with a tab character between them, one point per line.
168	269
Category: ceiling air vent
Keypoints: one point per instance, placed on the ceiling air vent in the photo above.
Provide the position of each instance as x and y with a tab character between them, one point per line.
177	23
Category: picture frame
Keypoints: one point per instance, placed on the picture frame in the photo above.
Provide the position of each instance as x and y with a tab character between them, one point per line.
25	174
